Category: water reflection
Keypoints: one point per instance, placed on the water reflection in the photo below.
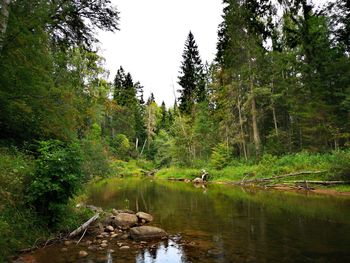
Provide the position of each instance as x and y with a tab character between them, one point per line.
169	252
223	224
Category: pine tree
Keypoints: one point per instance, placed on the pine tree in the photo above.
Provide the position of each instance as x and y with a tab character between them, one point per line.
191	77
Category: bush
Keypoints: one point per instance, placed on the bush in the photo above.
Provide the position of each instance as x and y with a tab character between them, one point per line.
340	165
57	177
220	157
121	146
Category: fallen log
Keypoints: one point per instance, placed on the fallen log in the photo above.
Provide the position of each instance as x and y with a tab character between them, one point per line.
84	226
261	180
321	182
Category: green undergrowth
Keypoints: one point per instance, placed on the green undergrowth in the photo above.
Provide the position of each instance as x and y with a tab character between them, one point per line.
21	225
131	168
333	166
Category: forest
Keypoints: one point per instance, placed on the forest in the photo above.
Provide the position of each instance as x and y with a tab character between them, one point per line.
276	100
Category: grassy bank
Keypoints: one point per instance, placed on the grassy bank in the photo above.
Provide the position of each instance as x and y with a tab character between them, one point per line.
327	167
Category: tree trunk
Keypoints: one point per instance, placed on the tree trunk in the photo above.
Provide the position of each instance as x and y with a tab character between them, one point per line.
242	131
275	119
256	135
4	15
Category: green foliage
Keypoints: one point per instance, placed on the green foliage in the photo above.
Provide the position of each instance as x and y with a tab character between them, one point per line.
162	144
121	146
220	156
340	166
57	178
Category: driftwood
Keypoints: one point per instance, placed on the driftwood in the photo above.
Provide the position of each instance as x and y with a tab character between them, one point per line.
321	182
84	226
261	180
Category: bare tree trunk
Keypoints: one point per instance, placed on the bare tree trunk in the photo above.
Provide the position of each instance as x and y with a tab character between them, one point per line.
4	15
256	135
242	131
275	119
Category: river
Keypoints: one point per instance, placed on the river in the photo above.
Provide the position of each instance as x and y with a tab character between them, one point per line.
220	223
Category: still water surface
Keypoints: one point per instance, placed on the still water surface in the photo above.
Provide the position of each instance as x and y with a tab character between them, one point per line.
223	224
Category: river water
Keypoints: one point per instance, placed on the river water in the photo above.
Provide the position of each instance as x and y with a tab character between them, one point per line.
222	224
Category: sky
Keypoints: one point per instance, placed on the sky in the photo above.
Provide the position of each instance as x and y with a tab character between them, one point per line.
151	40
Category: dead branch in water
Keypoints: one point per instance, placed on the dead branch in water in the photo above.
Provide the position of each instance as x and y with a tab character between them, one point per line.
84	226
321	182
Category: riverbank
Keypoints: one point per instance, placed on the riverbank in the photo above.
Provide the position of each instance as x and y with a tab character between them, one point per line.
323	173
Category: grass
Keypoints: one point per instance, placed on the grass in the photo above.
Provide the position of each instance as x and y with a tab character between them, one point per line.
336	166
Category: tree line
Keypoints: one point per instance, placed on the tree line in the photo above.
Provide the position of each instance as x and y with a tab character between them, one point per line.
279	83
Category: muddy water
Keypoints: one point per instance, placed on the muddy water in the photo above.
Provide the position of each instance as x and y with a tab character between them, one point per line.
222	224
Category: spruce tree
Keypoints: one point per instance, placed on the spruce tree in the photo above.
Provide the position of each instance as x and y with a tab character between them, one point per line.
191	77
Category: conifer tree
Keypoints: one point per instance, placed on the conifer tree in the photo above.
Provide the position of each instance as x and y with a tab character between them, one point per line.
191	77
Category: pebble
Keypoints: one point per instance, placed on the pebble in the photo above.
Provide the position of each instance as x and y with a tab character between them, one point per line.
64	249
104	245
109	228
91	248
67	242
83	254
111	251
104	241
114	235
124	247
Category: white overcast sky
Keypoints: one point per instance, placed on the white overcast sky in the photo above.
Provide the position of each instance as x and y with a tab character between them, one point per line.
151	40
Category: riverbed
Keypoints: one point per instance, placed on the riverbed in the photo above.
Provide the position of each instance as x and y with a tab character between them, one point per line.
221	223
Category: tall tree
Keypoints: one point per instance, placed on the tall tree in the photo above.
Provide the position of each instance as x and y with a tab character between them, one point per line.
191	77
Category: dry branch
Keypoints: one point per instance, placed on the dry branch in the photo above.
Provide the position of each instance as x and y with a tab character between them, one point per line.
321	182
260	180
84	226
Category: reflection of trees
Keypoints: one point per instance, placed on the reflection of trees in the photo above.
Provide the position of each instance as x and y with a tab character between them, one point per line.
246	225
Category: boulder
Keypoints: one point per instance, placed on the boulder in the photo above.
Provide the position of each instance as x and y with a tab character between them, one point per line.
125	220
144	216
147	232
120	211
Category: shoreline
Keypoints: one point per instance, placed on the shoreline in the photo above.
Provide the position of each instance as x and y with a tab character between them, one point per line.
277	187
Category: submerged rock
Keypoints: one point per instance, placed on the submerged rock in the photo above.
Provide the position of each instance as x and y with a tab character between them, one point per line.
83	254
144	216
147	232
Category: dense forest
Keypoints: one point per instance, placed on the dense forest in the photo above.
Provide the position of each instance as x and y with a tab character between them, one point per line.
279	85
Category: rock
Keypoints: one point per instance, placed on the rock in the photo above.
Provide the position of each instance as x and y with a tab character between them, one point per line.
187	181
114	235
109	228
64	249
92	248
144	216
124	247
104	241
67	243
147	232
198	180
120	211
83	254
99	237
125	236
104	245
110	251
125	220
88	242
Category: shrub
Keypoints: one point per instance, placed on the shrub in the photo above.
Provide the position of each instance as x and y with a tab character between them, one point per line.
121	146
340	165
220	156
57	177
